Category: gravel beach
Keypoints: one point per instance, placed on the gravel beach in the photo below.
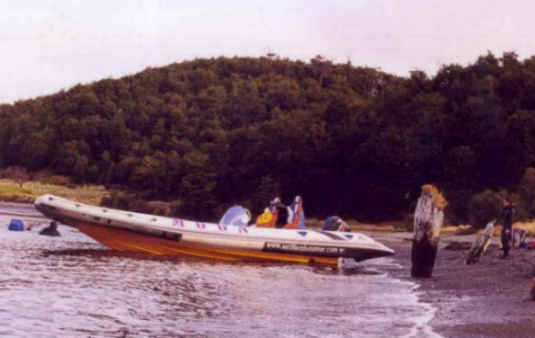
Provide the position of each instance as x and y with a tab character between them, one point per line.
488	299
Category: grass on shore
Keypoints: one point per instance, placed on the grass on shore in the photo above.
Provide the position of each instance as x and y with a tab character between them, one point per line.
528	226
358	226
457	230
10	191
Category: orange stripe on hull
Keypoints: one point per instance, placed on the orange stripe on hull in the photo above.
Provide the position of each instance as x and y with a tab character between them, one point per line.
125	240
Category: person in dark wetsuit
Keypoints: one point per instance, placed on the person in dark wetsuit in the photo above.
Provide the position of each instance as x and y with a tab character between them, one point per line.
276	206
51	230
506	218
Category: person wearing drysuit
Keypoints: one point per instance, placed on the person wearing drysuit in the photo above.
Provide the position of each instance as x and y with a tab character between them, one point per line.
506	219
281	210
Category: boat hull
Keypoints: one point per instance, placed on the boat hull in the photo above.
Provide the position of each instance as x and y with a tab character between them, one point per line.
133	232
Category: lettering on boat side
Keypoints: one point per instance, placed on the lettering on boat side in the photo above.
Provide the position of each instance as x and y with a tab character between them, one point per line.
178	223
222	227
201	225
296	247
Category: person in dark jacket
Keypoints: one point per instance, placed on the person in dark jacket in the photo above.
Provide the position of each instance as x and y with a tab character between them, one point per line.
506	219
281	211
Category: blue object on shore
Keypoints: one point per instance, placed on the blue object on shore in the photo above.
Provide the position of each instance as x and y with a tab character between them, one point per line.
16	225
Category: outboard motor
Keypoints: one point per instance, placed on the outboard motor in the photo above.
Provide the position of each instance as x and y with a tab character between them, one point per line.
335	223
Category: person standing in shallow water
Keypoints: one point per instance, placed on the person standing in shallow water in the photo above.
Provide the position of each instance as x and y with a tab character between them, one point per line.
506	219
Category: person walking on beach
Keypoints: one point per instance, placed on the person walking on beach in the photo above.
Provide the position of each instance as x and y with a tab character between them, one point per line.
506	219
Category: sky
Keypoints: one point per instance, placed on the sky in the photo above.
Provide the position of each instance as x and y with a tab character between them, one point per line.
49	45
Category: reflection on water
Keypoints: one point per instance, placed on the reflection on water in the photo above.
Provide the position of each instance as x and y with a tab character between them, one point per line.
72	287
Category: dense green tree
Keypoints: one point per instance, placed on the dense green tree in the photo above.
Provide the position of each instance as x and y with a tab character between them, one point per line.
355	141
527	191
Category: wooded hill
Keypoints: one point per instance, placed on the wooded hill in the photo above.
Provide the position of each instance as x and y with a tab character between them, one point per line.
351	140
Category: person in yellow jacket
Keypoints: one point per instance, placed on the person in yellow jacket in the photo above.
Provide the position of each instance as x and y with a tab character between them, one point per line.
265	219
279	215
275	215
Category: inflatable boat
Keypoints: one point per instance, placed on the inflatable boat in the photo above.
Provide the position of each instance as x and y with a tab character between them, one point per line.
227	240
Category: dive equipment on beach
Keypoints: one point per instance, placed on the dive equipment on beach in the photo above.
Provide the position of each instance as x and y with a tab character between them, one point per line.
480	244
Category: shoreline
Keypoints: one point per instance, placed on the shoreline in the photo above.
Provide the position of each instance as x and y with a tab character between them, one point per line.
488	299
